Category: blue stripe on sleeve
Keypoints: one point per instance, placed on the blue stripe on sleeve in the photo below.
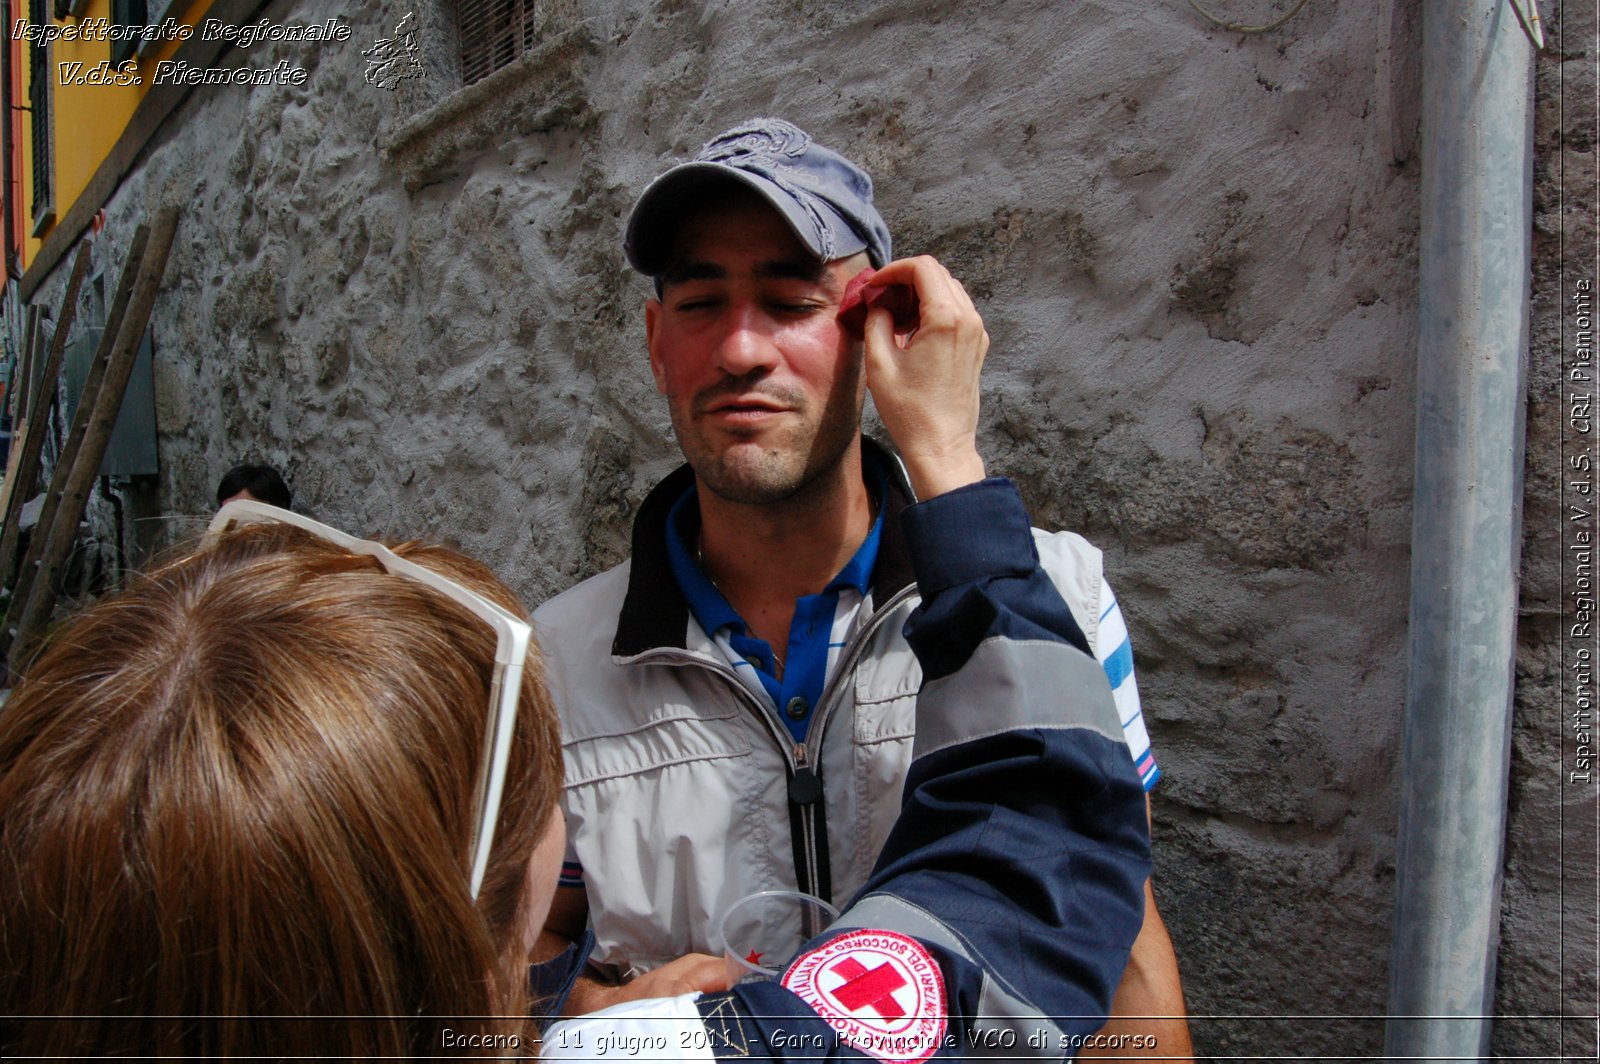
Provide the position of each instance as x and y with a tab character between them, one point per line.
1119	665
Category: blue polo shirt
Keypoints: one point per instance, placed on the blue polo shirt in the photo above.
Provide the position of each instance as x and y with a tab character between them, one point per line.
816	634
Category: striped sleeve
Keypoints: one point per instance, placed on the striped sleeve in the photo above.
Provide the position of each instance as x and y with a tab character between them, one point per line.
571	869
1115	652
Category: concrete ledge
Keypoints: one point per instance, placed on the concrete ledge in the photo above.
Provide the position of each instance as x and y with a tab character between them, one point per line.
536	92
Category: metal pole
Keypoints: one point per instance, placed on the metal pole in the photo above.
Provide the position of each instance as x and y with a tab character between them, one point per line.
1477	207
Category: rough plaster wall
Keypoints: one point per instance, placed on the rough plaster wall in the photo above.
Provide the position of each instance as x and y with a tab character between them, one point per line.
1195	252
1540	972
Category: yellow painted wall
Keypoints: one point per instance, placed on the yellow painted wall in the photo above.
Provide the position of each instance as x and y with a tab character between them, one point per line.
88	118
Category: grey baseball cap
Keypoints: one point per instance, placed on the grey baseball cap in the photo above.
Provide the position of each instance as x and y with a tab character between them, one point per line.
825	198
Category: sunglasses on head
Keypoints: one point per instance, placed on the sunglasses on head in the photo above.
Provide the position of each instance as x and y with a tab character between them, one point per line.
512	637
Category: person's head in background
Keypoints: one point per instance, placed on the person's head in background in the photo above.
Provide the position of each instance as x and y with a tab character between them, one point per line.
259	482
246	788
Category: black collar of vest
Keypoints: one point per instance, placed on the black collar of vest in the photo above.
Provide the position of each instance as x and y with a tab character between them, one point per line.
654	611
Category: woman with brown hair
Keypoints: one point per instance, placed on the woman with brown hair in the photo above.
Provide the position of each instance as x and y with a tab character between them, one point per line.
292	795
242	794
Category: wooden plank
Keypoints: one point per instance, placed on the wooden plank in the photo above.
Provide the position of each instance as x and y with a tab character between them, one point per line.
22	586
30	341
19	393
19	484
26	619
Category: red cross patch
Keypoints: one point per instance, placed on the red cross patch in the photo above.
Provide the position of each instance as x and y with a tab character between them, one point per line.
881	991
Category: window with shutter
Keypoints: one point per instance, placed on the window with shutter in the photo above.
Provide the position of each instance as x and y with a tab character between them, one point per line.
39	108
493	33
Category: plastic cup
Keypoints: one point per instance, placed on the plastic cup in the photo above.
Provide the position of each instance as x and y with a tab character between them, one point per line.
759	933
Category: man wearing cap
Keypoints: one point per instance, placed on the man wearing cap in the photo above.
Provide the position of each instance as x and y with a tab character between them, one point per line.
738	699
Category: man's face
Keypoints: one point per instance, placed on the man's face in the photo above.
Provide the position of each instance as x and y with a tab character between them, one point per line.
764	386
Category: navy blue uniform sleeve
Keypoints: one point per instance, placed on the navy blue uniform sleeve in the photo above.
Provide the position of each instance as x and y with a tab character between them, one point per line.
998	919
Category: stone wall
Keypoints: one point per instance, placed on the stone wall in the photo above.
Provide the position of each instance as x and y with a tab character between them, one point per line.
1551	839
1195	251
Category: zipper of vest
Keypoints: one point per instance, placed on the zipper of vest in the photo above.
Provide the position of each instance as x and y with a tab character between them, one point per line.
808	825
808	818
808	829
808	812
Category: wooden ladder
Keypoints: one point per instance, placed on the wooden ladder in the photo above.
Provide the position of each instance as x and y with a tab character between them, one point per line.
33	599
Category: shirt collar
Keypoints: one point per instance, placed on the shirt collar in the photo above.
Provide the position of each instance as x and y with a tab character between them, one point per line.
708	605
654	612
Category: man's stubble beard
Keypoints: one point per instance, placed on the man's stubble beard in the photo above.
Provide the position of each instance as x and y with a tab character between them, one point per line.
778	469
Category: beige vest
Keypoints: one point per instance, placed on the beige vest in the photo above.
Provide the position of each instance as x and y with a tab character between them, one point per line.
676	777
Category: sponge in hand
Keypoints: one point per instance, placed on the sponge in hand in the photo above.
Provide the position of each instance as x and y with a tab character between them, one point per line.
900	300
